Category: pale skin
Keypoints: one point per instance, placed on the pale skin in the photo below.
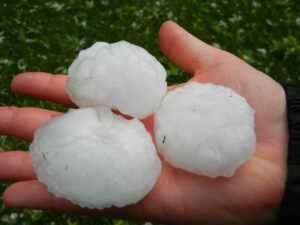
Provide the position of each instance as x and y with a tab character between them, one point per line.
252	195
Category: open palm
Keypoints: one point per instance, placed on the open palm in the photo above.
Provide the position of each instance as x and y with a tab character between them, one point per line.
253	194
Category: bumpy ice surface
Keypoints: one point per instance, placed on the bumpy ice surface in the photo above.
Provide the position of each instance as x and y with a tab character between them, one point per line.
95	158
121	75
205	129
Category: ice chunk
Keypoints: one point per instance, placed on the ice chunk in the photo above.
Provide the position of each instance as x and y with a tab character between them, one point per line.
95	158
205	129
121	75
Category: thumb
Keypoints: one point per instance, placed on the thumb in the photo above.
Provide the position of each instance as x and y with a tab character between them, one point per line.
185	50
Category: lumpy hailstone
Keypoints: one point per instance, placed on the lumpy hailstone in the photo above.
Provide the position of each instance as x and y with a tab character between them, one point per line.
95	158
121	75
205	129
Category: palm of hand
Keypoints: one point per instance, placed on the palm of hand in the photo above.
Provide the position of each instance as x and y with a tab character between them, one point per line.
253	193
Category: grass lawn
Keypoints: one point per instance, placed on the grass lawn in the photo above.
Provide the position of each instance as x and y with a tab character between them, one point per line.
46	35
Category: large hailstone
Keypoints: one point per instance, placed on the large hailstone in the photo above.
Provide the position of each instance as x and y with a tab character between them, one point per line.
205	129
121	75
95	158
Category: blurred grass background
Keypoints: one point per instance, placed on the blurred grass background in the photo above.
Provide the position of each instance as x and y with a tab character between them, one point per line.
46	35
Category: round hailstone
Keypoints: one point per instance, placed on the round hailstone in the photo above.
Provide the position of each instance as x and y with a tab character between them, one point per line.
205	129
122	76
95	159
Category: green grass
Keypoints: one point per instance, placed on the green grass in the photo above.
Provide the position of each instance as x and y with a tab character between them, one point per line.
47	35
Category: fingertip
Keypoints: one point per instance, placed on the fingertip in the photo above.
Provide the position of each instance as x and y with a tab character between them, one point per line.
8	197
16	81
166	25
167	32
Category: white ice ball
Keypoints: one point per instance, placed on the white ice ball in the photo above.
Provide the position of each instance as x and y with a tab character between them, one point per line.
121	75
205	129
95	158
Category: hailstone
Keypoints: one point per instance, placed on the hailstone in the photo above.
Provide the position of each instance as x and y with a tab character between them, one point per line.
95	158
121	75
205	129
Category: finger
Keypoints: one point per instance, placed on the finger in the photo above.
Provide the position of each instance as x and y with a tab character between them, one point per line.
16	165
185	50
23	122
34	195
41	85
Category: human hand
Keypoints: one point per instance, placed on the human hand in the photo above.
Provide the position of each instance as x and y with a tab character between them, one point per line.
253	194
